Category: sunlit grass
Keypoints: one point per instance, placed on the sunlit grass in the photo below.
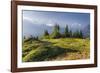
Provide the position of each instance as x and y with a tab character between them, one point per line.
56	49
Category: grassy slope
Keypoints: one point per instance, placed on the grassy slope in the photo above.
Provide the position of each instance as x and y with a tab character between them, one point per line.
56	49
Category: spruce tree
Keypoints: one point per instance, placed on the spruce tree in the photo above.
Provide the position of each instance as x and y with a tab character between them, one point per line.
56	32
66	32
81	34
70	33
78	34
46	33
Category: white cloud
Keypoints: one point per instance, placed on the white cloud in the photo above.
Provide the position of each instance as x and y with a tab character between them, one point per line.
76	26
28	19
34	21
50	24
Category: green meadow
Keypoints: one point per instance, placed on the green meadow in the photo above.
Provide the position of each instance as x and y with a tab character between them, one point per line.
49	49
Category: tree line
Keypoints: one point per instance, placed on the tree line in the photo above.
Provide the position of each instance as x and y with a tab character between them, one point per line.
57	34
66	34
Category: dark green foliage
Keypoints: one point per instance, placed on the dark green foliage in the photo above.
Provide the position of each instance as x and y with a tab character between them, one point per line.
70	33
46	33
78	34
66	32
81	34
56	32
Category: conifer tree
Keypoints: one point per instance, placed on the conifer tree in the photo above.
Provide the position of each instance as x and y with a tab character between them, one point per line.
56	32
81	34
46	33
66	32
70	33
78	34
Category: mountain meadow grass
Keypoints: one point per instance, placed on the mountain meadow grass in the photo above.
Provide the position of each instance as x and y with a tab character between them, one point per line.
55	49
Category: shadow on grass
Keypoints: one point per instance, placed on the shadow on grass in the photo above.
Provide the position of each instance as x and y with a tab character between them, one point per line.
71	50
34	45
46	51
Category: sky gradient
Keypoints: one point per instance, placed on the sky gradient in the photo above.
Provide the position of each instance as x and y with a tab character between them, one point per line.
41	20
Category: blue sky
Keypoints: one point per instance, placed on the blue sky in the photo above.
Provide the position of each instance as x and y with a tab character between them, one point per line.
41	19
